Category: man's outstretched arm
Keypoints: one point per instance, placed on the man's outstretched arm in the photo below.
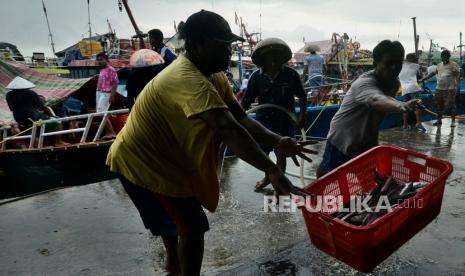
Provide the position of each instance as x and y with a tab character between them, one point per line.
264	136
236	137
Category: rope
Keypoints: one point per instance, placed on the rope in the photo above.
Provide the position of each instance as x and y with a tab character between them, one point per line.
32	195
435	114
329	84
316	119
37	123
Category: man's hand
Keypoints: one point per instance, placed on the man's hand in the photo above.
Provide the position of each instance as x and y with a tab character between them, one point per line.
112	98
283	186
290	148
410	105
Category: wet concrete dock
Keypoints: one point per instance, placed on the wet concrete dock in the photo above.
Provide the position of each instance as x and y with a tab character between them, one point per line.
95	230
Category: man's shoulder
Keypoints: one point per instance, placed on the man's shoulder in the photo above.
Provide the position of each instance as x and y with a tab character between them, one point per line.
453	63
365	79
182	74
220	77
109	70
310	57
168	50
255	74
290	71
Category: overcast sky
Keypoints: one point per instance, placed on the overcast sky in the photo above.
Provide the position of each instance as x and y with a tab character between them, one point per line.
370	21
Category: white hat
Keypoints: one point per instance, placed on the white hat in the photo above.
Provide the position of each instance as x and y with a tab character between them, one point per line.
20	83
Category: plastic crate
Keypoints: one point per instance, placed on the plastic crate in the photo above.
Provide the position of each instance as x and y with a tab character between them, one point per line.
364	247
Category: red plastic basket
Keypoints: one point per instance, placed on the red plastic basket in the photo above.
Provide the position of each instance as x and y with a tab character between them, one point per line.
364	247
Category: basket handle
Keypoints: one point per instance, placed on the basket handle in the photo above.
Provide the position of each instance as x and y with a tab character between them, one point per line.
423	159
416	159
413	156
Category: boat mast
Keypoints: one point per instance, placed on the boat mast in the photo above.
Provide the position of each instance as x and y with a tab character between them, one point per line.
139	34
430	55
415	37
90	29
49	31
460	51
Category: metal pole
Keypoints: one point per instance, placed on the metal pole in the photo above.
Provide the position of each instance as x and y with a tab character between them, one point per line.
133	22
430	55
49	31
461	45
90	29
415	35
239	55
260	20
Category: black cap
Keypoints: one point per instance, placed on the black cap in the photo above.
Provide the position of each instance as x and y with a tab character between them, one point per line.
208	25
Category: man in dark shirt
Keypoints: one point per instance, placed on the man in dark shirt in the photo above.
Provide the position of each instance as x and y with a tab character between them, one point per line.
26	105
156	42
141	73
137	79
275	83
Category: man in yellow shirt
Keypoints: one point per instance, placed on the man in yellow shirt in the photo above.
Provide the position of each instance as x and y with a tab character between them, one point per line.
166	156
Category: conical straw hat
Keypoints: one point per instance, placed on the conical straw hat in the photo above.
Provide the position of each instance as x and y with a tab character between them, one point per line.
274	46
312	48
145	58
20	83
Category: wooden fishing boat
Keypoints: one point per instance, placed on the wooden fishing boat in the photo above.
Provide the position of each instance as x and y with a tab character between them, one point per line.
29	165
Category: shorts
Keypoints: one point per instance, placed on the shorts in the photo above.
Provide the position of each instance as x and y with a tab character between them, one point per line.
102	101
315	81
280	126
165	215
446	83
332	158
445	99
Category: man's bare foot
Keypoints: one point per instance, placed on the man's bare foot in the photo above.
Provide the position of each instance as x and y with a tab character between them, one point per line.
173	270
437	123
262	184
109	137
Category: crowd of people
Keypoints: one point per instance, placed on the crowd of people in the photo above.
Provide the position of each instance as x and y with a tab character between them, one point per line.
166	155
191	106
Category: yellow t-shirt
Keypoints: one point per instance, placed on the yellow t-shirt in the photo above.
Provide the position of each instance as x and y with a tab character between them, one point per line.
164	147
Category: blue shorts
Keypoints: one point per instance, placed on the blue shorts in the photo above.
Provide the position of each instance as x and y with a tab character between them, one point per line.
332	158
164	215
316	81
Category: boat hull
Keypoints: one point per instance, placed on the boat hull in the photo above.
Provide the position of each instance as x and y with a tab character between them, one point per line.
24	172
